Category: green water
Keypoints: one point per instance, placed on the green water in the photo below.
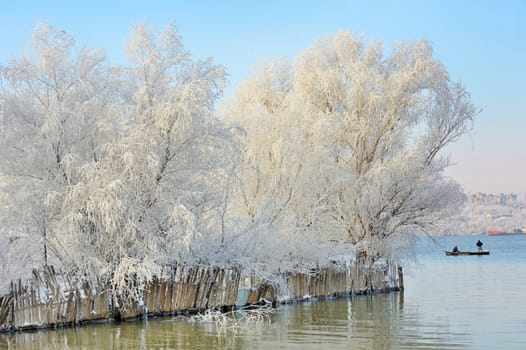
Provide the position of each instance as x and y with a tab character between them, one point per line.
473	302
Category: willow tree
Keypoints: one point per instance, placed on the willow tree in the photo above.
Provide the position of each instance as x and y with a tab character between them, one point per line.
55	106
346	143
122	168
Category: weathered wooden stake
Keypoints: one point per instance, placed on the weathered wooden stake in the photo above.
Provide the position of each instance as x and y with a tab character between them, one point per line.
400	278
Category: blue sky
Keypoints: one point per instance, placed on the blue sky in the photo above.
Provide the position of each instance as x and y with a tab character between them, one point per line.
481	42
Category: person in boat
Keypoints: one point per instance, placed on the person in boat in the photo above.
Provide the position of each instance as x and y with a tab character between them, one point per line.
479	245
455	249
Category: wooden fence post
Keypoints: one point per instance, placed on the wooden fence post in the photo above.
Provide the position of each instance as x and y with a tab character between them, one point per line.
13	300
400	278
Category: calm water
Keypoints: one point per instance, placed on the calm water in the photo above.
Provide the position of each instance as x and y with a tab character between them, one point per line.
471	302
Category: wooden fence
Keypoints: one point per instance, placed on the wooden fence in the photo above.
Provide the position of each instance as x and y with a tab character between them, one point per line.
328	282
52	300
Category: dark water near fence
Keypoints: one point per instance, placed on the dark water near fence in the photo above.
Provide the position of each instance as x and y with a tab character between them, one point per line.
470	302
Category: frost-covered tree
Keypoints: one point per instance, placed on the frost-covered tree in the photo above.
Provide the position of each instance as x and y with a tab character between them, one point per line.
120	168
345	143
55	104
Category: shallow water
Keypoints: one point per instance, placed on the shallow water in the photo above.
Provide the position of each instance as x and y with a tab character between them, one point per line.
470	302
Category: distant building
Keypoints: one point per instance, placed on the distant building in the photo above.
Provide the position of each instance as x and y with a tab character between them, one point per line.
506	199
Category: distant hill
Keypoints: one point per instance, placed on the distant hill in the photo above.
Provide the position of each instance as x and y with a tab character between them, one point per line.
484	212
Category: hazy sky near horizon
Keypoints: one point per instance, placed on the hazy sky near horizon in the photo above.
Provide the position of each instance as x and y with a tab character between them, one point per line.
482	43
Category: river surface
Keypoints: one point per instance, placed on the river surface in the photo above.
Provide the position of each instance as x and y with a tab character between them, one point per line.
464	302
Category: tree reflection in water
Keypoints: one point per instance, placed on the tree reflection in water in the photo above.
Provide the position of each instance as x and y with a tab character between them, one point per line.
363	322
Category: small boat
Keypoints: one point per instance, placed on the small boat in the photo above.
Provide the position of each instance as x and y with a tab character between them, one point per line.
515	231
459	253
